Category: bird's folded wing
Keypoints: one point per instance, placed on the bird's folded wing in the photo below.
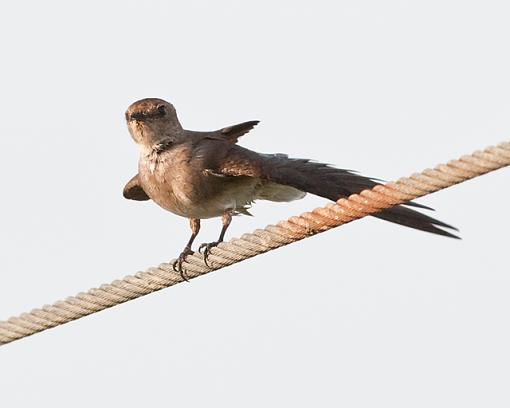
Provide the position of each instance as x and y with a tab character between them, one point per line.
134	191
305	175
320	179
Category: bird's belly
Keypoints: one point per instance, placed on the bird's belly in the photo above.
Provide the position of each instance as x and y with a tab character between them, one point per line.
208	203
235	195
195	195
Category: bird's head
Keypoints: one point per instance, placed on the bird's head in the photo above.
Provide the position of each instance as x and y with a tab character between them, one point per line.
152	120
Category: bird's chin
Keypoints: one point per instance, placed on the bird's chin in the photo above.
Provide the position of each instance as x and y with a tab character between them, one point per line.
136	122
136	130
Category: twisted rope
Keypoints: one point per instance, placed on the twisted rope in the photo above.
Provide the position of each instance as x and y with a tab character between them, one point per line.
258	242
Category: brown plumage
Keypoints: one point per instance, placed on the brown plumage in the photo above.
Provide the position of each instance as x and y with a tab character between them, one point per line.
134	191
206	174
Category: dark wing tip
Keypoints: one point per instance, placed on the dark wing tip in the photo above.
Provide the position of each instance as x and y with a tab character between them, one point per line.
133	190
234	132
135	193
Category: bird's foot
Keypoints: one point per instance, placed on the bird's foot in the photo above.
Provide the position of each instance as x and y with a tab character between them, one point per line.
206	248
177	265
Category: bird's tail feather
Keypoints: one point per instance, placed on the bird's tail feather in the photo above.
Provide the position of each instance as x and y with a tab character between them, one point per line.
413	219
332	183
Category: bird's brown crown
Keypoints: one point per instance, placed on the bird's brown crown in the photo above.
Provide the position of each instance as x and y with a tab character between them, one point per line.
149	109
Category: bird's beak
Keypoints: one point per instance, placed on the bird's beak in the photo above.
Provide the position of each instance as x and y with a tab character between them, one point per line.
135	116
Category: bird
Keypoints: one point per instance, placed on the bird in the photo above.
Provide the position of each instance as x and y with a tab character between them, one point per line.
207	174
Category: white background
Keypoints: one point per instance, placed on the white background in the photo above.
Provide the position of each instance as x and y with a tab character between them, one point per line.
370	314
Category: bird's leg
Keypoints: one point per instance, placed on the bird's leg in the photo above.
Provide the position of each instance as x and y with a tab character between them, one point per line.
194	223
226	219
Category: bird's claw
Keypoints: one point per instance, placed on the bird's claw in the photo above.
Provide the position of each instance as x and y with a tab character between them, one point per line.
177	265
206	247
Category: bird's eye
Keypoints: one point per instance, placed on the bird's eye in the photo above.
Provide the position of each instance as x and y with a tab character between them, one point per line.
161	110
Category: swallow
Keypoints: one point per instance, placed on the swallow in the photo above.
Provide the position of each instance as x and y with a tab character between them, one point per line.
201	175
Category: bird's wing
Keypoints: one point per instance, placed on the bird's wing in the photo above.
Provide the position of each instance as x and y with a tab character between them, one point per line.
305	175
232	133
134	191
319	179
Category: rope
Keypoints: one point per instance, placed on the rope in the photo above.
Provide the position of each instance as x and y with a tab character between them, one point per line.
258	242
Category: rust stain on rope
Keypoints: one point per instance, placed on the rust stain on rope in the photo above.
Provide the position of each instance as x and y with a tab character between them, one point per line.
260	241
